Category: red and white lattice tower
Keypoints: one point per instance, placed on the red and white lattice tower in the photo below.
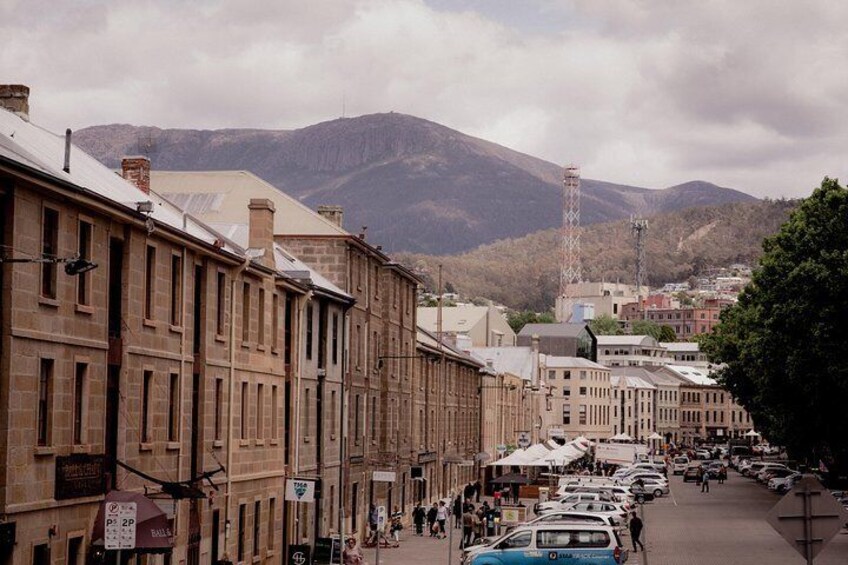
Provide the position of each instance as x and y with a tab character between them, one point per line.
570	268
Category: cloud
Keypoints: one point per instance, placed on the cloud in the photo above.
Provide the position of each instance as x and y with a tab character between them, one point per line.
744	94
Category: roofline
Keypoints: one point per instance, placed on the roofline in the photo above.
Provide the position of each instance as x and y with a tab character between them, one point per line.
115	208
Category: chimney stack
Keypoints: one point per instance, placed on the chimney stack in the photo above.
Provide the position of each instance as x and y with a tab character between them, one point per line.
333	213
261	229
137	171
534	379
15	98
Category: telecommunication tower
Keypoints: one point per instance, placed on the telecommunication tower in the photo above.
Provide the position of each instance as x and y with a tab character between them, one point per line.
570	268
639	228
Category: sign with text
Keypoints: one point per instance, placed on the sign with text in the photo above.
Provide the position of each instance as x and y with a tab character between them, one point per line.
78	475
300	490
384	476
119	525
513	515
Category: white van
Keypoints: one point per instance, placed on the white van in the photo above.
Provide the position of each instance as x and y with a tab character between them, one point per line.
565	544
679	464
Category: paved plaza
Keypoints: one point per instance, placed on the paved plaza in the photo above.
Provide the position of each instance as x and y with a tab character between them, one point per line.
725	527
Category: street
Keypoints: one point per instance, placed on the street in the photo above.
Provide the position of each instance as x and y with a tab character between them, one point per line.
723	527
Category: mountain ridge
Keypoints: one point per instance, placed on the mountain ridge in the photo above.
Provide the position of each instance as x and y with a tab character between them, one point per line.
419	186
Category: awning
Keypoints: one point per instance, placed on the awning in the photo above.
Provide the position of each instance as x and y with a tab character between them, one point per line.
153	533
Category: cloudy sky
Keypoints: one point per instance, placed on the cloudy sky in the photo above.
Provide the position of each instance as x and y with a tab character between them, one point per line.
747	94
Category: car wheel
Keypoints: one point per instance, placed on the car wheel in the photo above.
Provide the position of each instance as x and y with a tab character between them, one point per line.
640	498
658	493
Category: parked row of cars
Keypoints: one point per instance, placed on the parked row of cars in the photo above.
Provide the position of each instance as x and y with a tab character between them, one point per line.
778	477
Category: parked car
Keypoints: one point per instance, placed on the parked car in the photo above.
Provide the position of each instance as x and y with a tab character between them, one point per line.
563	502
760	476
655	487
781	485
567	544
703	454
614	511
768	474
679	464
641	494
692	473
630	479
573	517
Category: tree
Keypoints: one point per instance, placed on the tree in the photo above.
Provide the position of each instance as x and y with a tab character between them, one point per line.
667	334
605	325
518	319
646	327
783	344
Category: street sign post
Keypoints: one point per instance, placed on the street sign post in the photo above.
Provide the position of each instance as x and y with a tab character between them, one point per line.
119	525
524	440
807	517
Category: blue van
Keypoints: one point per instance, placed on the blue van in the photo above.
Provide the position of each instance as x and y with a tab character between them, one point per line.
562	544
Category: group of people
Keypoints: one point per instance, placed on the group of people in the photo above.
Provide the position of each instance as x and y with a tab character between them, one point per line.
704	478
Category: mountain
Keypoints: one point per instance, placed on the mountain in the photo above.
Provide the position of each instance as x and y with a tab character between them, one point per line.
417	185
523	273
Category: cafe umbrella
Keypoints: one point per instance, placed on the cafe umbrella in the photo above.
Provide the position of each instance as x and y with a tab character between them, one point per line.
153	532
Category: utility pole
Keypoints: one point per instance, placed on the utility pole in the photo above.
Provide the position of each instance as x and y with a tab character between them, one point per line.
639	228
570	266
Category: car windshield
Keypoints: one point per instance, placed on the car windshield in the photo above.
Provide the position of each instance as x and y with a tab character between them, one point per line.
681	460
521	539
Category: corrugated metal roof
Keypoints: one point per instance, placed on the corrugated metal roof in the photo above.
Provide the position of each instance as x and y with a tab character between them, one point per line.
630	382
552	330
656	378
232	192
37	148
517	361
681	346
693	375
612	340
456	319
552	362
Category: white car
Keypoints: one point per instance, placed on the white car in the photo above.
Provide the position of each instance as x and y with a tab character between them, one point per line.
659	488
630	479
613	511
783	484
565	501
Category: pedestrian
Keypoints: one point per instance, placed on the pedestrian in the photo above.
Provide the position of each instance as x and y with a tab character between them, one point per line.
468	519
352	554
373	518
722	475
477	489
479	522
457	512
432	527
397	524
419	516
515	493
442	517
705	483
636	526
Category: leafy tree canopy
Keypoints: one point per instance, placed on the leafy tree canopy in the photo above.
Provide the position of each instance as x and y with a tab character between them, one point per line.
783	345
605	325
518	319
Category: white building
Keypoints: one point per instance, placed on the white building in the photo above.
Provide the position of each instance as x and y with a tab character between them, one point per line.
631	351
633	400
687	353
578	398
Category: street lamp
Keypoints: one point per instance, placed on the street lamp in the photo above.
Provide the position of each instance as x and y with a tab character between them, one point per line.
74	265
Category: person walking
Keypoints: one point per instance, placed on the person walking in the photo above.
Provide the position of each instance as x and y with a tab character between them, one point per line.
468	519
457	511
722	475
373	518
479	522
705	482
477	489
442	517
431	520
397	524
636	526
419	516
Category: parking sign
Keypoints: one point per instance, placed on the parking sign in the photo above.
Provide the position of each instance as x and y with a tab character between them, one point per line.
119	525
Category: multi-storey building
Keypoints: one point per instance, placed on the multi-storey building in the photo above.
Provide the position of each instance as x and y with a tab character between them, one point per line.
607	298
687	353
578	397
666	399
445	419
630	351
685	321
485	326
633	400
382	327
562	340
179	355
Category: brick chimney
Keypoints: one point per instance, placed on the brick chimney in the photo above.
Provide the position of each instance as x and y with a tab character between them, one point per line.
137	171
333	213
15	98
261	229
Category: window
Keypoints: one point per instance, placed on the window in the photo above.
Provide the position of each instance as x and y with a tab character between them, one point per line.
357	419
566	392
521	539
219	385
275	322
41	552
173	407
582	414
221	303
272	503
176	290
74	551
582	391
257	513
84	251
309	316
572	538
45	401
245	313
147	381
333	412
275	409
566	414
149	281
551	375
241	525
261	338
79	395
260	411
335	338
566	375
287	329
49	250
307	410
243	410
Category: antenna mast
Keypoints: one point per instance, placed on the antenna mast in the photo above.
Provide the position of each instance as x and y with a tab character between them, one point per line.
570	268
639	228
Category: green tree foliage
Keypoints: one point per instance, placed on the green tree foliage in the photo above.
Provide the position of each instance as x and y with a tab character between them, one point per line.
783	344
667	334
518	319
605	325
